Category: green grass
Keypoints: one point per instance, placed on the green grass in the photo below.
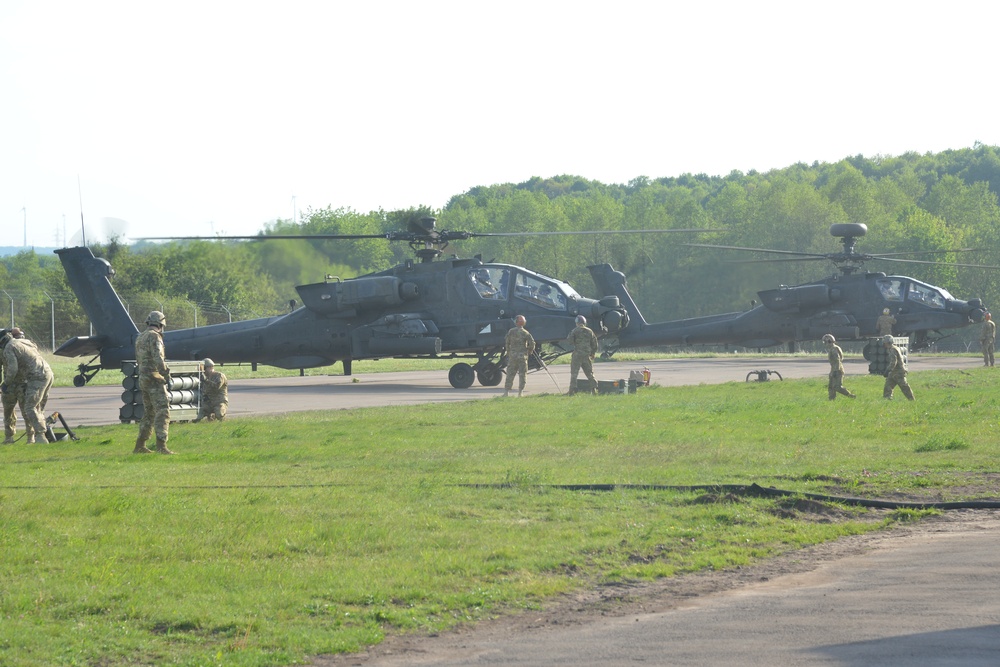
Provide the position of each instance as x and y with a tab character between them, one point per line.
267	541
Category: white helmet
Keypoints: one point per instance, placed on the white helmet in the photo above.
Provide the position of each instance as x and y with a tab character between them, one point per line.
828	338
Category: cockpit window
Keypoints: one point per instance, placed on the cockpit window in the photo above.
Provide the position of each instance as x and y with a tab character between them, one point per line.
490	282
926	295
539	292
891	289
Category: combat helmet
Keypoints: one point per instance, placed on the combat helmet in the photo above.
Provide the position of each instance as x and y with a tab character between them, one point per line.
828	338
887	339
156	318
885	311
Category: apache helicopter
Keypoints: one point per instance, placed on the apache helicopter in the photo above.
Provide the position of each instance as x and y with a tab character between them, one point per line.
434	308
846	305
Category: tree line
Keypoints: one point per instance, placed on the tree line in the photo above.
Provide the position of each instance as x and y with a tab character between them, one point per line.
934	203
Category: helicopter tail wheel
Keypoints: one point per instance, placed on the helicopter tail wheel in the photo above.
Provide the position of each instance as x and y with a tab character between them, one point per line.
489	376
461	376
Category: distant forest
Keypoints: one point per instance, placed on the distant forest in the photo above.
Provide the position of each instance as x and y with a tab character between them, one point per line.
939	202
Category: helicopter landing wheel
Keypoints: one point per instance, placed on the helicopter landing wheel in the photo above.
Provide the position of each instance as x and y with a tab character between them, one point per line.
490	375
461	376
79	380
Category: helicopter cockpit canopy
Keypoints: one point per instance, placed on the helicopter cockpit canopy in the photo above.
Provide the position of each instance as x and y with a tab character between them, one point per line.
495	283
898	289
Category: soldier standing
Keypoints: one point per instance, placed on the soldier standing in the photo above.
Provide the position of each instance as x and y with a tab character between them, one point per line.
987	337
519	345
13	395
836	357
150	357
214	394
585	347
9	398
897	371
885	323
26	371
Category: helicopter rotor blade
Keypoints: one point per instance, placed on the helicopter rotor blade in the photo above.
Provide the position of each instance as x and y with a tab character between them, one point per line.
768	261
812	255
924	261
442	235
592	231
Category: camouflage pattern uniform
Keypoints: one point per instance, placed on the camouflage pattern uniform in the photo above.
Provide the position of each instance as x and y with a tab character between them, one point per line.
836	385
150	356
585	348
27	371
11	397
214	395
520	345
884	324
988	337
896	375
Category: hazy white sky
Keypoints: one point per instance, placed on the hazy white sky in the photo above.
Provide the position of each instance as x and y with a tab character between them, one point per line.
211	117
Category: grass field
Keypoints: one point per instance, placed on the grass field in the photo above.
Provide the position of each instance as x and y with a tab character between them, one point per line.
267	541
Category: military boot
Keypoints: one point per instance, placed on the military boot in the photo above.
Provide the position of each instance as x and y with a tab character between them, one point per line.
161	447
140	446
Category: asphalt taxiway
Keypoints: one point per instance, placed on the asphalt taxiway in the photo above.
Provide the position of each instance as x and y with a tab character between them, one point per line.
94	405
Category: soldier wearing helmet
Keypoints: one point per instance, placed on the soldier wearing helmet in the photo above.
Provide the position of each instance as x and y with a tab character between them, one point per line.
150	357
519	345
214	393
884	323
896	375
26	382
585	348
836	357
483	284
987	337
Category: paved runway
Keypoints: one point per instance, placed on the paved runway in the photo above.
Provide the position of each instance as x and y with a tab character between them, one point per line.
96	405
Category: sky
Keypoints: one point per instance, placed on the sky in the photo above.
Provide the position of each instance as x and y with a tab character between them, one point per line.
212	118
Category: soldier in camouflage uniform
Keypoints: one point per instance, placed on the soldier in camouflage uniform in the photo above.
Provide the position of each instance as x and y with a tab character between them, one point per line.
897	371
11	397
27	371
885	323
519	345
214	394
836	357
988	337
585	347
150	357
